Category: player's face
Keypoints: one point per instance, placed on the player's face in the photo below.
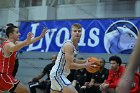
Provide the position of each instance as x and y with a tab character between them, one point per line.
114	65
76	33
16	34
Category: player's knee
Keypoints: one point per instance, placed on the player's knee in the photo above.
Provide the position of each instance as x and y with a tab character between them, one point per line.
25	90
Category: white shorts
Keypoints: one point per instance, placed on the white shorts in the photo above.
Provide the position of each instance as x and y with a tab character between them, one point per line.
59	82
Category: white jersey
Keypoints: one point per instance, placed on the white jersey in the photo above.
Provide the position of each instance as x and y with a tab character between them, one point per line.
59	71
60	64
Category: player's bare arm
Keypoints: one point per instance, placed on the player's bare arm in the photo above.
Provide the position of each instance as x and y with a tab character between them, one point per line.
79	61
11	47
69	57
44	31
124	85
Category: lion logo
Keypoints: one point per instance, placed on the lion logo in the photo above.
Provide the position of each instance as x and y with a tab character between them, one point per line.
120	37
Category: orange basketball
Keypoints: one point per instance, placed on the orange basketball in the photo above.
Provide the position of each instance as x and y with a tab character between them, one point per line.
96	65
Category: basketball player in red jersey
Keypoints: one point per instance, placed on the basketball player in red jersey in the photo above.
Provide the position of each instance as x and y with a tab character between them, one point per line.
8	51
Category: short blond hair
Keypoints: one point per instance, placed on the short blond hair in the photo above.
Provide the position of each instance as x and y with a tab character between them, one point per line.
77	25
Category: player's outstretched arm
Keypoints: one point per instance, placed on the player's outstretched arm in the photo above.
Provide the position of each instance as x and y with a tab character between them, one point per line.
11	47
127	78
44	31
79	61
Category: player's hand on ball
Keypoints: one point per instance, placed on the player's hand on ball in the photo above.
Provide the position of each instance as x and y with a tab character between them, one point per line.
94	65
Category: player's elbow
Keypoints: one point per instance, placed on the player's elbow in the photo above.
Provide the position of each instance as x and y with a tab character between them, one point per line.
71	66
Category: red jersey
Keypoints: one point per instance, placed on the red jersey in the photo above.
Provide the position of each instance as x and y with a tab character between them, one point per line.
7	81
6	63
114	77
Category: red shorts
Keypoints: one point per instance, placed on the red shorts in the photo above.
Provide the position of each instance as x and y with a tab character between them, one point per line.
7	82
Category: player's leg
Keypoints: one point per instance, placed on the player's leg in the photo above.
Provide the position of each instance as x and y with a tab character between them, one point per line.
69	89
20	88
55	87
66	89
61	83
52	91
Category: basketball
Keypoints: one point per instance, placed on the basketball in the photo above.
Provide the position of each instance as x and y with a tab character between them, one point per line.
96	65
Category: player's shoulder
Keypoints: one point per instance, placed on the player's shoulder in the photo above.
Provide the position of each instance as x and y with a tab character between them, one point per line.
68	44
9	44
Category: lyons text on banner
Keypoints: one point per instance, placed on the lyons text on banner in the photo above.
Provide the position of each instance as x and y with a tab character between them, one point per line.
98	35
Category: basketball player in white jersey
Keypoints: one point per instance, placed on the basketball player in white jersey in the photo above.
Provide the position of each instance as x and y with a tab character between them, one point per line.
65	61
